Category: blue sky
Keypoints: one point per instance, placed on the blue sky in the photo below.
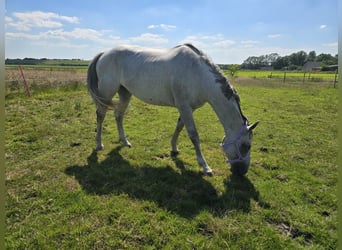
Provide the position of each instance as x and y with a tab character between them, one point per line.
228	31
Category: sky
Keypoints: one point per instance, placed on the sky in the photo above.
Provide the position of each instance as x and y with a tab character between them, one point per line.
227	31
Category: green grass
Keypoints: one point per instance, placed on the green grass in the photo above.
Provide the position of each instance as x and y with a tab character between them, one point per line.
63	195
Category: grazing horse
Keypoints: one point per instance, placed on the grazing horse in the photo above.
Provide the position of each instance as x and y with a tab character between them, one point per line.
182	77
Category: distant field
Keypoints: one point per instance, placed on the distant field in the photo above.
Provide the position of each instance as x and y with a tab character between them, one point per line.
290	75
63	195
53	71
47	62
50	67
41	76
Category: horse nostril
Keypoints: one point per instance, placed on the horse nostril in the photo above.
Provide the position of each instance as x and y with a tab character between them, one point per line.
239	168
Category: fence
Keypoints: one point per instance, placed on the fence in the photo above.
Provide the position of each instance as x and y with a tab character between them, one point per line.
289	76
42	77
36	77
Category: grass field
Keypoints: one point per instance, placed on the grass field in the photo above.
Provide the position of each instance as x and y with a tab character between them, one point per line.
63	195
298	76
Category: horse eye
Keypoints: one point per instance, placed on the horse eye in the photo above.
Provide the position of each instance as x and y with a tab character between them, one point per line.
245	148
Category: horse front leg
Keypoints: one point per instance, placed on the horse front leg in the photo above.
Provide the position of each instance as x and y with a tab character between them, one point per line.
187	118
174	139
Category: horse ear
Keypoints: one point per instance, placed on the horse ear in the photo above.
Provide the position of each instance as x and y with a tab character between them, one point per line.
253	126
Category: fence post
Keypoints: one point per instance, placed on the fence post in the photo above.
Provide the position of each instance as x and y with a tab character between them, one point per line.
335	78
284	77
25	83
304	77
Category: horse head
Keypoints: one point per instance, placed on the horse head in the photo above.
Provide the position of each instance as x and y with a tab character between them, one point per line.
238	149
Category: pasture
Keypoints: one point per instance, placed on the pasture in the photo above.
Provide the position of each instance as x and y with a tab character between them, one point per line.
61	194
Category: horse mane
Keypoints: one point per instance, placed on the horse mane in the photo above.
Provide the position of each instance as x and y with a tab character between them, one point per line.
226	88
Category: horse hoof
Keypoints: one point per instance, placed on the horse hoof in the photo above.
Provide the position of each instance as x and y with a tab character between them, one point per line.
208	172
174	153
125	142
99	147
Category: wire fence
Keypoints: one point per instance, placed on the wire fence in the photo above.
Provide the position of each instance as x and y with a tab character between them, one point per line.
290	76
55	77
40	78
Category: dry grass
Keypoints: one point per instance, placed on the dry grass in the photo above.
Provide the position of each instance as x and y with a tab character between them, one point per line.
42	77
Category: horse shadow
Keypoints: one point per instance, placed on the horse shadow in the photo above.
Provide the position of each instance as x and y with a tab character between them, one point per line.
185	193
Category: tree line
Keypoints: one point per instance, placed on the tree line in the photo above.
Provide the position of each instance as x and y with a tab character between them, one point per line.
25	61
45	61
295	61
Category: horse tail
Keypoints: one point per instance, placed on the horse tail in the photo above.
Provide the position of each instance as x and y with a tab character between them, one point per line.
92	84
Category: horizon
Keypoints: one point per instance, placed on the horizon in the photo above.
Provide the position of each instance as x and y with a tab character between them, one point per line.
71	59
228	32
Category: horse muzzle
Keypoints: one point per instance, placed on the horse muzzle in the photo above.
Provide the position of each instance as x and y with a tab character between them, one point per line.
240	167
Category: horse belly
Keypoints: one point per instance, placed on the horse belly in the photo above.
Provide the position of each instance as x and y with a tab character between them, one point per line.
156	100
152	93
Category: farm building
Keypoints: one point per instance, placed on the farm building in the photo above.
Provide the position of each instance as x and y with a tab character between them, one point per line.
312	66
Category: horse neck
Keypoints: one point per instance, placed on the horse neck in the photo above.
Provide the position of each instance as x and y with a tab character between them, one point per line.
227	110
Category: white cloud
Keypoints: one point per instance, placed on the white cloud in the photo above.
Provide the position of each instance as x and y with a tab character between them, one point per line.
77	33
249	43
273	36
206	41
25	21
8	19
21	35
323	26
215	37
224	43
196	41
60	34
165	27
149	38
330	44
61	45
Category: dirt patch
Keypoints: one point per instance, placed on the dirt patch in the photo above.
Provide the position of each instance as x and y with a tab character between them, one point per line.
285	228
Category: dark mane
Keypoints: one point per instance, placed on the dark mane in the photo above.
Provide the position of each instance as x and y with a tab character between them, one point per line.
226	88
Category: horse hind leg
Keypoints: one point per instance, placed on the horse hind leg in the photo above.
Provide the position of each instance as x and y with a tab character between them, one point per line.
100	115
119	113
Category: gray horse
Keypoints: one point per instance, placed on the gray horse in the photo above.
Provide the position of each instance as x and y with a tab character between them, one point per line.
182	77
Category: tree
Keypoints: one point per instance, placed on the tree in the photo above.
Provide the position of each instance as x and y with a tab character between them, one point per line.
326	59
233	68
294	61
270	59
298	58
256	62
311	56
281	62
252	62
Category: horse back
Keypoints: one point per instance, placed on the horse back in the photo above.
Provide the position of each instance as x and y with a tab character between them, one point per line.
161	77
